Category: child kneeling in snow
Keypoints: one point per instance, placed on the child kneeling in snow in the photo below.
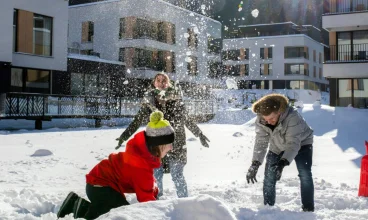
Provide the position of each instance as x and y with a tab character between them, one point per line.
124	172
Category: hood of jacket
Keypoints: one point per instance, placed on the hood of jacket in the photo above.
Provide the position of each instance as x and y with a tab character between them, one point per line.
137	148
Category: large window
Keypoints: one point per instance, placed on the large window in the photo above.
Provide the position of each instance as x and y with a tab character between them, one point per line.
266	69
232	55
352	45
214	45
30	80
296	52
266	53
139	28
33	37
148	59
297	68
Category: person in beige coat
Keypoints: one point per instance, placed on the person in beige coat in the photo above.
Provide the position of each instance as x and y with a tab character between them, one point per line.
282	131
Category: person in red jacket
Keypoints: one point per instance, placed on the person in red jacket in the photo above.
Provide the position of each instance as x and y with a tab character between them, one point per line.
124	172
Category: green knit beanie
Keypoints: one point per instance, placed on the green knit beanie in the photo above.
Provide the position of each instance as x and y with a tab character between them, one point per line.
158	130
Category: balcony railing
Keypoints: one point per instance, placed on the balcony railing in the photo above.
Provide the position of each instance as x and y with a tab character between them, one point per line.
45	106
347	53
344	6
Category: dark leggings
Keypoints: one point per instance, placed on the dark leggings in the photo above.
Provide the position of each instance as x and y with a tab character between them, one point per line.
103	199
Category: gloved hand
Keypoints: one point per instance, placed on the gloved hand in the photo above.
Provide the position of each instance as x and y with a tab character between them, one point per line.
278	167
252	171
204	140
120	142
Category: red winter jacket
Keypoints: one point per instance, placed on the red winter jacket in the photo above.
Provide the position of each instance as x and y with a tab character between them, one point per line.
130	171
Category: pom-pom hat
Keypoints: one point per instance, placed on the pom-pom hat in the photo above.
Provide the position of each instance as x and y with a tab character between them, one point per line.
159	130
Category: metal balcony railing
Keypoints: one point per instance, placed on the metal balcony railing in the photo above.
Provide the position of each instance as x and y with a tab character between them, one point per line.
44	106
347	53
344	6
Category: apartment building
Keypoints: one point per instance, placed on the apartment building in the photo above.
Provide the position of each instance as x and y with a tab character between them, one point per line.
275	56
346	65
33	45
144	37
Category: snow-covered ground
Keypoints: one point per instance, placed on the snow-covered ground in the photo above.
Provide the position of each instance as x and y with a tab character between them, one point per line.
33	186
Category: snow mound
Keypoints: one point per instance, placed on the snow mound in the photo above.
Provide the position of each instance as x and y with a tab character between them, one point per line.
41	153
238	134
299	104
204	207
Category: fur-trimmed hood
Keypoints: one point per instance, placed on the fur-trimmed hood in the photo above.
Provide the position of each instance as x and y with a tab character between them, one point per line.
281	100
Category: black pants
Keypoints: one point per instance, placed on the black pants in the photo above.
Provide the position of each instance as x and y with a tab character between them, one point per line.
103	199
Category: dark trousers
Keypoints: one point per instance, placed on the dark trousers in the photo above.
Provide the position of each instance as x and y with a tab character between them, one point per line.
303	162
103	199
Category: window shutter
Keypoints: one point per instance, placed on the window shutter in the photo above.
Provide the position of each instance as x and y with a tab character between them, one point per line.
85	27
306	55
266	69
25	31
266	53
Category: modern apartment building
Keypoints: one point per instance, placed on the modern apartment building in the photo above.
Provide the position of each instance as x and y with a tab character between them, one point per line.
144	37
346	65
275	56
33	45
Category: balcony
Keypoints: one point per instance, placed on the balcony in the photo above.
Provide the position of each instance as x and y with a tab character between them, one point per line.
346	60
347	53
344	6
345	15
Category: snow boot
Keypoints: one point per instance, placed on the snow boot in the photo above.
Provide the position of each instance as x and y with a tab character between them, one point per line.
67	206
308	209
80	208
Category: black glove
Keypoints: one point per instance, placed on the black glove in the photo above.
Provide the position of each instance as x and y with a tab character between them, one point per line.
204	140
252	171
119	143
278	167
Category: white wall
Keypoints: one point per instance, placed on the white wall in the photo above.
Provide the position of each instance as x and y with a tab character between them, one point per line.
278	43
346	70
106	17
345	22
58	10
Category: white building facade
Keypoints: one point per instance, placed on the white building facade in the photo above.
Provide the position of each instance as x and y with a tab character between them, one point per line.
33	45
346	64
146	37
280	61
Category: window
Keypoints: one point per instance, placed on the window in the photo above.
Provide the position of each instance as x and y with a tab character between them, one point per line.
87	31
192	39
214	45
232	55
122	54
266	53
232	70
122	28
30	80
214	69
320	58
314	56
266	69
320	73
357	84
297	68
315	72
296	52
32	33
192	66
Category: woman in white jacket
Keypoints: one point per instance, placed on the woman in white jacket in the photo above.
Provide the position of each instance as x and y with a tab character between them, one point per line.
283	131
